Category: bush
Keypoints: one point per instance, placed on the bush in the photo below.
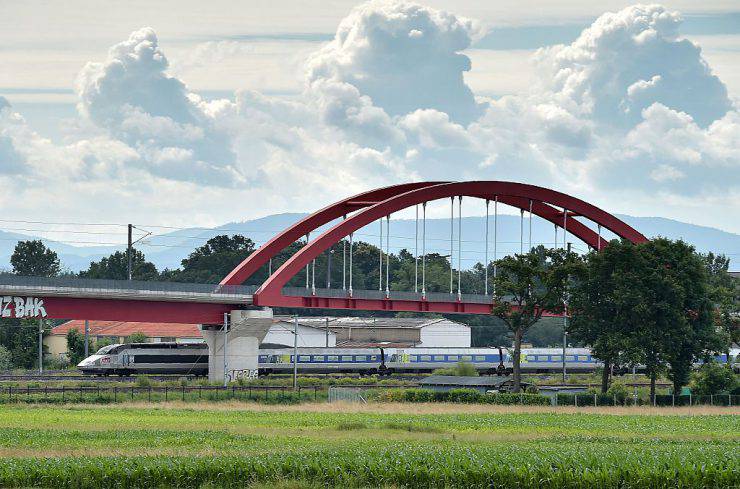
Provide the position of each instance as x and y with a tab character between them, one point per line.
6	359
618	391
143	381
462	369
714	378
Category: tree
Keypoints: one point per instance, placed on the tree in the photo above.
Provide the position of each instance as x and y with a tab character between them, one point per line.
20	337
115	267
607	305
214	260
724	292
33	258
6	359
137	337
526	286
75	346
681	322
714	378
646	303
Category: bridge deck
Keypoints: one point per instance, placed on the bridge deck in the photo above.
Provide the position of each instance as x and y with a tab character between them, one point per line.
124	289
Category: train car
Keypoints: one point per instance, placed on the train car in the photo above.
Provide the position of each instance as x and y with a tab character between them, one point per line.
148	358
366	361
424	360
544	360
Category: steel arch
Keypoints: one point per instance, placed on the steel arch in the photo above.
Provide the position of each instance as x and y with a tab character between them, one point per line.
511	193
312	222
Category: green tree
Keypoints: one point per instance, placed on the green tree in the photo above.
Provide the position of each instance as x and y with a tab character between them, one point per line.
607	305
6	359
137	337
724	291
33	258
714	378
214	260
20	337
76	346
115	267
526	286
681	326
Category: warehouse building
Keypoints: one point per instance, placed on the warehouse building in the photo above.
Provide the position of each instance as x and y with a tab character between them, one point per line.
343	332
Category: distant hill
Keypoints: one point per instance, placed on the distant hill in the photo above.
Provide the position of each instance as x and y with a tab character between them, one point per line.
167	250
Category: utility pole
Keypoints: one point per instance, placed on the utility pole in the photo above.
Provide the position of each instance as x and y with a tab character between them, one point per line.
129	248
87	338
565	324
328	269
295	353
41	346
327	332
226	340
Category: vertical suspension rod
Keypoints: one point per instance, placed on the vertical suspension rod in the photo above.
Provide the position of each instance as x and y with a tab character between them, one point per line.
485	259
459	248
380	257
387	256
424	251
416	251
452	242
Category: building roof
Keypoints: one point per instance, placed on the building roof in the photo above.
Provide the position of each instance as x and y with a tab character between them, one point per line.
375	344
465	381
122	328
367	322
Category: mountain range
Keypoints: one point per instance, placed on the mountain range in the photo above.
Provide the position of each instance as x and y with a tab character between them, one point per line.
168	249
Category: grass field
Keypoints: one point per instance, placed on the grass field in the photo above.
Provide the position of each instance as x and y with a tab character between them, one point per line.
386	445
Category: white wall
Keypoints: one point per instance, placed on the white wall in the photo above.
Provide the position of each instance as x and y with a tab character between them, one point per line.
282	333
445	334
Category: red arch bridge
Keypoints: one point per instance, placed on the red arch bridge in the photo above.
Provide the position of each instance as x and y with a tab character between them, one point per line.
249	307
206	303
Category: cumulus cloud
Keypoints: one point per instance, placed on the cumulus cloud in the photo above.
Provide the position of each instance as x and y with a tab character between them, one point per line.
174	131
628	60
628	108
403	57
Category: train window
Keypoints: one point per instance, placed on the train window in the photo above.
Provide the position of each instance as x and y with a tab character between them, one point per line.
582	358
543	358
361	358
453	358
346	358
425	358
439	358
557	358
373	358
531	358
466	358
412	358
318	358
570	358
333	358
480	358
304	358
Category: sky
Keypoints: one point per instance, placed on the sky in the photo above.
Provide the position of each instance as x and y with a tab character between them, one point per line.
191	113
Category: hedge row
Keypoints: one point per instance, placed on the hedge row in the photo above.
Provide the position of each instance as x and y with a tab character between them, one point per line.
469	396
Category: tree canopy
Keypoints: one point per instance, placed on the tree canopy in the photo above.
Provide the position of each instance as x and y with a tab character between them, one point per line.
33	258
115	267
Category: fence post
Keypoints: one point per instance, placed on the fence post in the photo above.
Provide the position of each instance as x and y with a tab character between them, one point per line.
200	391
265	393
711	399
315	396
115	394
689	398
46	392
183	393
729	399
132	392
594	400
63	396
150	393
614	398
232	392
575	400
673	400
165	393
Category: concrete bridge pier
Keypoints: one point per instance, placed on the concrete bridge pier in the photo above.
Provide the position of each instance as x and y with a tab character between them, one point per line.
247	329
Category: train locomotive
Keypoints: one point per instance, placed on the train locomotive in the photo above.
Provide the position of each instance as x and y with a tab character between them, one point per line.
192	359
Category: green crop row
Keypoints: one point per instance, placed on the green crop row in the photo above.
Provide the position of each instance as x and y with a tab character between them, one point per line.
408	465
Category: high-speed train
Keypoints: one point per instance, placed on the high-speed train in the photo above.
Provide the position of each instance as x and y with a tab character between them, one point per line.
192	359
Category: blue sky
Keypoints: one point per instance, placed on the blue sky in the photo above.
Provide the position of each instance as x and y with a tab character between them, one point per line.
232	110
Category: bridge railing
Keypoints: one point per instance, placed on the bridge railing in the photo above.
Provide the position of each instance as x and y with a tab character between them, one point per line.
83	284
392	295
